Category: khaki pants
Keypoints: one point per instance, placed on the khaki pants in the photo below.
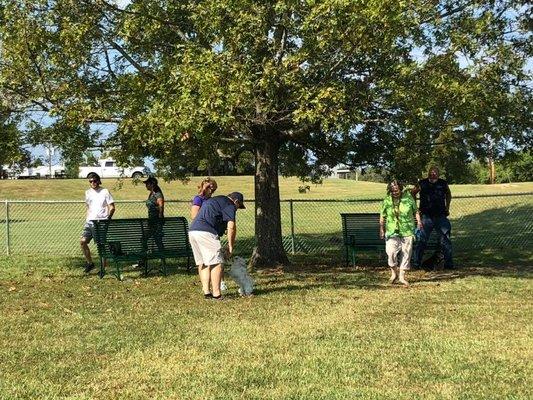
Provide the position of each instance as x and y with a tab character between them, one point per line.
399	249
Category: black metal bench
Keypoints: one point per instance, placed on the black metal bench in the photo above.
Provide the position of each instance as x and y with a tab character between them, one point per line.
140	240
360	231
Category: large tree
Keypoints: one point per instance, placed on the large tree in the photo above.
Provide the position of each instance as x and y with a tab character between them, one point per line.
300	84
11	139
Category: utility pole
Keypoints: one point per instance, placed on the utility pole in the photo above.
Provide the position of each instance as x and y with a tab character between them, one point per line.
491	165
50	150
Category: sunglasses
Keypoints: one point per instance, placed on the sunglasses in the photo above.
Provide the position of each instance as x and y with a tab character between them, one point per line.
93	181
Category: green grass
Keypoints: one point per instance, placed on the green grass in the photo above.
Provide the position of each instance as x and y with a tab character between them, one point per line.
74	189
309	333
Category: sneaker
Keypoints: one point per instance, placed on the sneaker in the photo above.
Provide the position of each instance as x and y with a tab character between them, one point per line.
223	286
89	267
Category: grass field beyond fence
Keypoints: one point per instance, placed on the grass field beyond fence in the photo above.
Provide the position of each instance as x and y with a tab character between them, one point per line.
127	189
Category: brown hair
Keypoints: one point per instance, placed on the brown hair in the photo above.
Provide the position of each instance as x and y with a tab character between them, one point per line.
206	184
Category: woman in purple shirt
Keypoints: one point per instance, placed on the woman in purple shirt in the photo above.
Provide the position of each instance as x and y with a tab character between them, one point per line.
206	188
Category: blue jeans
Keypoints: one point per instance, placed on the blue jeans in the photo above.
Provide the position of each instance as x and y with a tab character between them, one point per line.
443	228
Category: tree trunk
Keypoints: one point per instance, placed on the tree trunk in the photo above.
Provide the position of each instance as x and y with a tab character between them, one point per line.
492	170
269	250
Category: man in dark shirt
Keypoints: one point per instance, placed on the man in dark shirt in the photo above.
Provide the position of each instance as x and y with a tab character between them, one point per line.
215	216
435	198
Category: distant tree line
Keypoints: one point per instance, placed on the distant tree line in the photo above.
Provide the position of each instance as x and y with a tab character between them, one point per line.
512	167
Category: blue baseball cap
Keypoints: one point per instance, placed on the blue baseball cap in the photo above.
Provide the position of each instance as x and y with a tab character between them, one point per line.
237	196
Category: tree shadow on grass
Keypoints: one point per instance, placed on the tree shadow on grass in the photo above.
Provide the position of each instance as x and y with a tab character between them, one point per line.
500	272
498	237
134	271
304	277
76	265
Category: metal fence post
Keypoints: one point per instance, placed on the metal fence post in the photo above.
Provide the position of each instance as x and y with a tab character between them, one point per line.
8	239
293	248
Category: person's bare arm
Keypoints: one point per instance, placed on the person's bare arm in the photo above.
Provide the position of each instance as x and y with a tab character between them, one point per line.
381	227
161	207
418	220
415	190
194	211
448	199
110	210
232	233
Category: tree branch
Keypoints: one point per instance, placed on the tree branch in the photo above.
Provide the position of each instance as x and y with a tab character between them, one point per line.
130	59
39	73
116	9
109	68
450	12
280	38
42	106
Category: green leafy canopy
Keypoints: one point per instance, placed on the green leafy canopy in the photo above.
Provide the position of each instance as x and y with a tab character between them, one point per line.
324	78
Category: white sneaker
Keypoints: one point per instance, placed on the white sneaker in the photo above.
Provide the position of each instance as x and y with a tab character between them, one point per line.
223	286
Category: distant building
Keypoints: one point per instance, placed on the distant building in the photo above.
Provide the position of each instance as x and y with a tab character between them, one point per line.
341	171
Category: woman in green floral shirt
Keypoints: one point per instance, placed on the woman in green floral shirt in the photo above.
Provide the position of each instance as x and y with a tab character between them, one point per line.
396	224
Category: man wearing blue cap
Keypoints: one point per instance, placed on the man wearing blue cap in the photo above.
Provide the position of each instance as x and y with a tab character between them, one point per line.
216	215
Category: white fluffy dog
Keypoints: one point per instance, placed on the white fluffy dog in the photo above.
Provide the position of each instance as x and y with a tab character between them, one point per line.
240	274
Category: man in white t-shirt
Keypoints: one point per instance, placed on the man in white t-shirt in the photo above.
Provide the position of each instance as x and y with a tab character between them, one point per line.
100	205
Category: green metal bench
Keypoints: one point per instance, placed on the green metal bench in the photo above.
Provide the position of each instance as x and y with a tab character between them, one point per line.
140	240
360	231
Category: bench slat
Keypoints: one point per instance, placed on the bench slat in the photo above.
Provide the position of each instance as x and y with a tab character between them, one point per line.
141	239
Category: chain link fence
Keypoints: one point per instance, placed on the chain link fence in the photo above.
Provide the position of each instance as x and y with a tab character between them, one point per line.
499	226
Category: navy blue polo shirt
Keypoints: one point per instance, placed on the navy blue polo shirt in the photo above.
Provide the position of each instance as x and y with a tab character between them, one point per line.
214	215
433	197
